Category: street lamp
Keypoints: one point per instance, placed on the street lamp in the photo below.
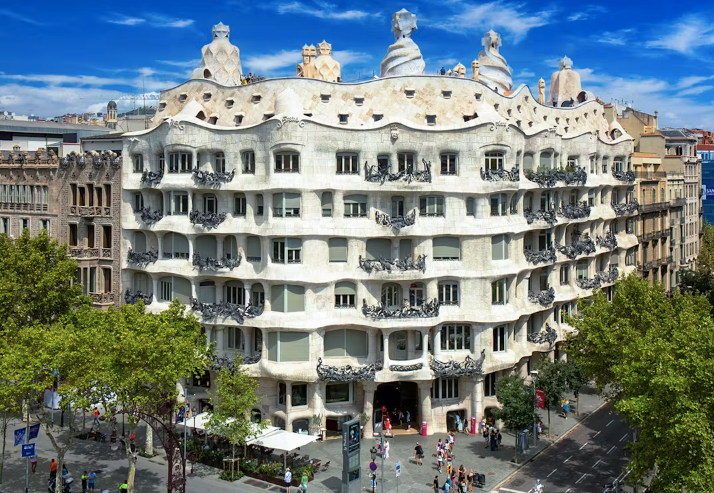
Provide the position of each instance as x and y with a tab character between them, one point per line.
534	374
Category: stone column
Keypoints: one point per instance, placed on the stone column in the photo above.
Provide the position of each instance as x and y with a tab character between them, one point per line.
288	405
372	346
248	294
477	398
437	343
190	248
219	246
318	401
411	351
160	239
369	388
190	202
425	349
425	413
247	346
432	290
194	290
155	287
385	361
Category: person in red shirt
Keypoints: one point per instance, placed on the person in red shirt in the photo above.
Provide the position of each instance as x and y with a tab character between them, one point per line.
53	469
96	417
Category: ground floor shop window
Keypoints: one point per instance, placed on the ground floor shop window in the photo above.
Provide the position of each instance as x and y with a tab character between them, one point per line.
299	395
338	393
301	425
445	388
490	384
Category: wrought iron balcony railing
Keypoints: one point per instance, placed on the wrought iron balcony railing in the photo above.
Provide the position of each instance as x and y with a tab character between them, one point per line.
574	211
428	309
549	335
142	259
209	220
381	174
211	311
396	222
670	259
131	297
500	174
608	242
678	202
230	364
347	373
544	298
644	266
210	263
455	369
548	216
626	209
212	179
383	264
608	276
150	217
82	252
103	298
151	178
542	257
581	244
657	206
623	176
548	178
585	283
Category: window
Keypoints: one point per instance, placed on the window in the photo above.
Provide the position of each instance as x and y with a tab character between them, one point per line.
72	235
180	162
259	207
572	162
286	204
500	336
630	256
455	337
514	204
546	160
258	299
106	236
377	116
565	275
378	248
391	295
288	298
431	206
234	293
287	251
591	198
45	224
499	247
604	165
409	93
416	294
448	164
470	208
287	162
618	164
138	161
445	388
289	346
345	294
546	201
6	226
446	248
431	119
178	203
336	393
405	162
235	338
239	204
338	249
347	164
219	162
248	159
581	270
630	226
175	245
138	201
25	223
210	203
326	200
499	292
593	167
528	161
545	239
499	205
355	205
90	235
171	287
448	292
494	160
490	384
299	397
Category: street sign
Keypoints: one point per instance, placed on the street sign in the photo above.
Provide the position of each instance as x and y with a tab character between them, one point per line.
372	466
398	469
28	450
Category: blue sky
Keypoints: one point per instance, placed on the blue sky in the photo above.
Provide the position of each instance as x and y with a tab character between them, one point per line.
74	56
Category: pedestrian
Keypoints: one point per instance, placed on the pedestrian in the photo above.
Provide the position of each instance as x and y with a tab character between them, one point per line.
439	459
446	486
84	482
462	485
439	446
53	469
373	481
303	482
373	453
96	417
462	473
386	451
65	472
492	436
540	428
288	478
485	435
442	71
436	484
470	479
90	479
418	454
33	463
409	421
483	424
400	417
498	439
566	409
124	487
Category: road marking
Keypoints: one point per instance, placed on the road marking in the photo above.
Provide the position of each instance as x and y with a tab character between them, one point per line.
566	460
611	421
566	491
512	491
583	446
598	462
581	478
596	434
613	448
623	437
549	475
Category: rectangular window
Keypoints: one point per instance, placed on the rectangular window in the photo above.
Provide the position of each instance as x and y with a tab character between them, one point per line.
92	279
326	204
499	205
138	201
499	247
582	270
405	162
165	290
180	162
289	346
235	338
445	388
259	206
630	226
45	225
210	204
107	279
591	198
347	164
499	292
108	195
448	164
25	223
72	235
490	384
514	204
106	236
455	337
500	336
604	165
336	393
239	205
287	162
431	206
631	254
248	158
138	161
355	205
286	204
565	275
446	248
6	226
179	203
449	293
299	393
253	249
91	233
338	249
288	298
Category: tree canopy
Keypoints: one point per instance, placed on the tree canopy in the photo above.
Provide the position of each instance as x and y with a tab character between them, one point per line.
517	409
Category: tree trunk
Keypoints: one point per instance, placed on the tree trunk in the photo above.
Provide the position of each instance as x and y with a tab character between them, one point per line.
548	420
5	419
59	450
84	421
149	443
515	450
131	456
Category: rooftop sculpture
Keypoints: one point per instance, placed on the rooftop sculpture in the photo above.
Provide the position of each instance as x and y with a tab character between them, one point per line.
565	88
403	57
221	60
492	67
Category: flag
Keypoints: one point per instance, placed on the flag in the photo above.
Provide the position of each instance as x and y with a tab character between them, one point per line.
540	399
34	431
19	436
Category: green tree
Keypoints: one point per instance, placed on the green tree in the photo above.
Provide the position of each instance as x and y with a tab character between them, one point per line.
232	402
517	409
551	379
653	357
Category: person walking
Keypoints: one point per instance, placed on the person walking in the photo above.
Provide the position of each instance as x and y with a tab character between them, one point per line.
451	438
373	453
90	480
439	446
447	485
462	473
566	409
33	463
124	487
418	454
440	459
470	479
287	479
303	483
485	435
409	421
373	481
53	469
96	418
462	486
492	437
436	484
386	450
498	439
84	482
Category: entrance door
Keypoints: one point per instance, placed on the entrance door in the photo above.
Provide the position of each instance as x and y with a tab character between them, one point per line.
397	396
399	347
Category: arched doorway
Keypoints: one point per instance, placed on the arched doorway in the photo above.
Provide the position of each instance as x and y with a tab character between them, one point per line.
397	396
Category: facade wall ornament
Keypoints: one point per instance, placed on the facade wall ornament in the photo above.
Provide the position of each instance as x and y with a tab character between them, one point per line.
347	373
609	241
212	179
386	265
575	211
429	309
291	119
396	222
394	133
581	244
142	259
548	216
209	220
402	368
500	174
131	297
502	125
631	207
549	335
151	178
223	309
175	124
210	263
451	369
544	257
150	217
544	298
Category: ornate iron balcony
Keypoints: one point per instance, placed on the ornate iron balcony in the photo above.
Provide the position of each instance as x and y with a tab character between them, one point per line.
626	209
230	364
212	179
549	335
669	259
644	266
572	211
150	217
211	311
383	264
581	244
609	241
210	263
608	276
381	174
142	259
430	308
624	176
544	257
549	177
414	367
468	368
102	298
544	298
81	252
500	174
209	220
548	216
131	298
347	373
585	283
396	222
151	178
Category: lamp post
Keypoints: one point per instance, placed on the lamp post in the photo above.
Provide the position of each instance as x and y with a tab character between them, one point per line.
534	374
185	407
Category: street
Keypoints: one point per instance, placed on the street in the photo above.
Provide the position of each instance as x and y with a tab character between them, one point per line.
583	462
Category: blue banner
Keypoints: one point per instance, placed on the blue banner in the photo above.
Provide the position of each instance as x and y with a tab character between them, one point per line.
19	436
34	431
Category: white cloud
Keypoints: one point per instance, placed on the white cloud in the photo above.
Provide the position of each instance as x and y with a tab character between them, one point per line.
264	64
154	20
127	21
323	11
501	16
586	12
693	91
186	64
346	57
447	62
19	17
52	101
619	37
691	81
686	35
526	73
66	80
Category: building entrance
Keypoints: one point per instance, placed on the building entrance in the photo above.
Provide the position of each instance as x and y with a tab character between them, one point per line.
397	396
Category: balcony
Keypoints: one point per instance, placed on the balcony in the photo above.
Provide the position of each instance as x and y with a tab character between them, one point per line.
500	174
549	335
580	244
142	259
381	175
102	298
678	202
150	178
644	267
396	222
85	253
548	178
90	211
209	220
650	176
150	217
623	176
657	206
223	309
428	309
548	216
585	283
575	211
455	369
212	179
347	373
132	298
387	265
626	209
544	298
609	276
210	263
670	260
609	242
543	257
12	206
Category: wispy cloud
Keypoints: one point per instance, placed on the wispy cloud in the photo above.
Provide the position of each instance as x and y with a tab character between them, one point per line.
693	91
263	64
511	18
19	17
691	81
67	80
186	64
619	37
686	35
323	11
127	21
154	20
347	57
525	73
586	12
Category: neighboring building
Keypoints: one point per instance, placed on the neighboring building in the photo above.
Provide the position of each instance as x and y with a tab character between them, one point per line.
417	228
706	153
704	137
111	121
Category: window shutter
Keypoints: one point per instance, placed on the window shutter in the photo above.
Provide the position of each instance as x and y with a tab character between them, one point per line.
273	346
334	343
294	346
446	247
379	247
356	343
405	248
277	301
498	247
277	201
345	287
292	200
180	244
296	298
294	243
545	159
253	247
469	206
139	242
528	161
182	290
326	200
141	282
355	199
230	247
207	294
338	249
206	245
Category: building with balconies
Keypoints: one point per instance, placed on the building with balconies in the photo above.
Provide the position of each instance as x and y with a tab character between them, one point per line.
706	153
400	242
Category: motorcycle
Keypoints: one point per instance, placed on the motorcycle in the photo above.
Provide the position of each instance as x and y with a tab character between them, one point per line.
66	488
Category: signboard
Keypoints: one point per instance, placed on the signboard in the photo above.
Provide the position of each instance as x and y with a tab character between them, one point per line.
398	469
28	450
540	399
353	437
19	436
34	431
372	466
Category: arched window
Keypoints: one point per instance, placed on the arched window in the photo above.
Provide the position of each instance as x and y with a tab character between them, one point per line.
345	294
141	282
171	287
175	245
230	247
139	241
391	295
417	294
206	246
207	292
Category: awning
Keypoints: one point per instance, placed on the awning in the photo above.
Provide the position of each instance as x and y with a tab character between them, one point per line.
278	439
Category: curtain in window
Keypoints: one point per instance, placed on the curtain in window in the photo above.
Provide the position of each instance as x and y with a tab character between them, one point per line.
446	247
294	346
182	290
